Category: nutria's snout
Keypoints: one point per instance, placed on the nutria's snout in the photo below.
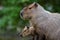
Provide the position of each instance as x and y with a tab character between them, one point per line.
19	34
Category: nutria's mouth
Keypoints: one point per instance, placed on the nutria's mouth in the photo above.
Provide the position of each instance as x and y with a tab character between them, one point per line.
27	18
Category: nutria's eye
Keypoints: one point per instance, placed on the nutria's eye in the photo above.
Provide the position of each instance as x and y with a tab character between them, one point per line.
29	8
27	27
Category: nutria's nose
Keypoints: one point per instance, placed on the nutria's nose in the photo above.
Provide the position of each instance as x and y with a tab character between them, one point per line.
19	34
21	14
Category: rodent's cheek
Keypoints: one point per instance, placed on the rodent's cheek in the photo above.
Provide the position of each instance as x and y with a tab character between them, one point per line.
25	15
23	34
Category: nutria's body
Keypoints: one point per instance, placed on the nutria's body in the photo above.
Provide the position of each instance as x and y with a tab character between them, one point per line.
44	22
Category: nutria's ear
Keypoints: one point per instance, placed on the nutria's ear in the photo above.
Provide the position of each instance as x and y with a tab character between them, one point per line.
25	26
35	4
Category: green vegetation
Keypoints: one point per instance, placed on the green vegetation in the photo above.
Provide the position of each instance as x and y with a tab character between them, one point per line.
10	13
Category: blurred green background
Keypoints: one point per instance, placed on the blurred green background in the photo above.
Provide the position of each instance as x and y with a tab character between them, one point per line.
10	21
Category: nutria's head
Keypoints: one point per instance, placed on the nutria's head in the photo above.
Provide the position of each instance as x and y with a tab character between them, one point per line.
27	31
27	12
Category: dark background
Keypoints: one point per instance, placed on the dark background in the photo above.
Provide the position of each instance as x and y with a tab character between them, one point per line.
10	21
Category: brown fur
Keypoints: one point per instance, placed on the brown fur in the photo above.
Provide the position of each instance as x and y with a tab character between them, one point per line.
29	31
43	21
